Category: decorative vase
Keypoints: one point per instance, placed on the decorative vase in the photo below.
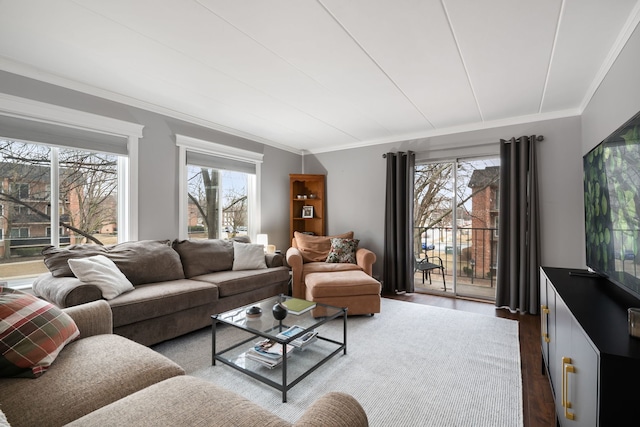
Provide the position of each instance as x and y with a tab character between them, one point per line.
279	311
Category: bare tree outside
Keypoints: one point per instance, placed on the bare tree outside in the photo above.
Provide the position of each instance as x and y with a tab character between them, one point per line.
92	180
213	193
87	196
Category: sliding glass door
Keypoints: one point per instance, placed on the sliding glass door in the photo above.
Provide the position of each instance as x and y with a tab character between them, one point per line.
456	226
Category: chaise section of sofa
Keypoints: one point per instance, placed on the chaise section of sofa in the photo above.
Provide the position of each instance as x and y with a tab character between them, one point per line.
97	369
177	285
190	401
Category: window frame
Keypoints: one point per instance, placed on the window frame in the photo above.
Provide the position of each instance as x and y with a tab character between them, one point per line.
189	144
49	114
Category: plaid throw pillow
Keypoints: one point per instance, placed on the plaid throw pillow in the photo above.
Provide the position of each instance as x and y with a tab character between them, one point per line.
32	333
343	250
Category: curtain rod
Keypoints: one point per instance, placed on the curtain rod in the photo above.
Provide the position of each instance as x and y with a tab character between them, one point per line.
384	156
508	141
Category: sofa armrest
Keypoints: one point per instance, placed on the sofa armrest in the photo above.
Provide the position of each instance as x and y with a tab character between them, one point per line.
365	259
65	291
334	409
295	261
274	260
93	318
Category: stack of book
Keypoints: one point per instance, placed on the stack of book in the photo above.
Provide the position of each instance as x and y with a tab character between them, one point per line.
302	341
268	352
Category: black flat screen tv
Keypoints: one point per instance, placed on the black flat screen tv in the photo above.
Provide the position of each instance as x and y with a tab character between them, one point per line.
612	207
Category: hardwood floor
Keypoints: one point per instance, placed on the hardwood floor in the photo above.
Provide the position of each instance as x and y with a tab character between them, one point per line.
537	400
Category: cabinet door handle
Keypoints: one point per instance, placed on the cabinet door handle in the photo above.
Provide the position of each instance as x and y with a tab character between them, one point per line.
545	319
567	368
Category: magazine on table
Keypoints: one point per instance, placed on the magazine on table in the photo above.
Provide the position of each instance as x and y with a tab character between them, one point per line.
301	341
268	352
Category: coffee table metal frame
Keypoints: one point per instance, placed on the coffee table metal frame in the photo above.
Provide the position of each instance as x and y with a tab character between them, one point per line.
241	323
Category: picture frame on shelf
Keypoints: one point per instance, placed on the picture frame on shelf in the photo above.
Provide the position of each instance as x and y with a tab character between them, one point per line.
307	212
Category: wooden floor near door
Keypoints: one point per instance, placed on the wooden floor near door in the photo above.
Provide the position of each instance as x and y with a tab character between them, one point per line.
538	408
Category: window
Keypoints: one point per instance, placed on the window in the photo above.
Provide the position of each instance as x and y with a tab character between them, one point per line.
218	190
20	191
77	169
455	212
19	233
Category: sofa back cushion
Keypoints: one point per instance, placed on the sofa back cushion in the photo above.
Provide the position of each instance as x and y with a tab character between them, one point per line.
204	256
316	248
144	261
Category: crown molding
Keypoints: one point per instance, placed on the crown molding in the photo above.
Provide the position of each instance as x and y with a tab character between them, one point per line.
532	118
31	72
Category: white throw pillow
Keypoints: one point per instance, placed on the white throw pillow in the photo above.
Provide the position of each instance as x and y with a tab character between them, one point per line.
100	271
247	256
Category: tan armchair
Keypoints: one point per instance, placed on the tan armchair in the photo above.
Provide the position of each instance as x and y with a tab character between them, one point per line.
307	256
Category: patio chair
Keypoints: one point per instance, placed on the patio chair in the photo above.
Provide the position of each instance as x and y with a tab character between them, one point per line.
430	263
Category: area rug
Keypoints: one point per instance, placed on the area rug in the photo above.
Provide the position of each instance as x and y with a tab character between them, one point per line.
410	365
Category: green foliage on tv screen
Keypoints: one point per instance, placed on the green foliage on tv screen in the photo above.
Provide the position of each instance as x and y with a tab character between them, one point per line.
612	198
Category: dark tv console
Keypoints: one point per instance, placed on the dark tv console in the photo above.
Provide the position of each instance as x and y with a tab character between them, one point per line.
592	362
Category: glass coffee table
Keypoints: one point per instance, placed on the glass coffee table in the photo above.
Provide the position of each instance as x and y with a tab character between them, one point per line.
302	358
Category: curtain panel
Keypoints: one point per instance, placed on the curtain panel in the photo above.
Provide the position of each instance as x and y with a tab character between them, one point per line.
398	233
517	282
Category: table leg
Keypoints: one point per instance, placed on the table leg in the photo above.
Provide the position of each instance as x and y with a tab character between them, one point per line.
213	341
344	330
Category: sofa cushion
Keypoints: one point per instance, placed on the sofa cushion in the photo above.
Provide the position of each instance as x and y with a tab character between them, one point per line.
144	261
316	248
88	374
236	282
153	300
100	271
204	256
247	256
32	333
318	267
343	250
182	401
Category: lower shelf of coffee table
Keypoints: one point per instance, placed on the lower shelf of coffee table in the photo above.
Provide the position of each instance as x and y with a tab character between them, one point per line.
300	364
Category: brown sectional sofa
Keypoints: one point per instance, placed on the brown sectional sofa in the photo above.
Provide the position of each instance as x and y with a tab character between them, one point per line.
178	284
102	379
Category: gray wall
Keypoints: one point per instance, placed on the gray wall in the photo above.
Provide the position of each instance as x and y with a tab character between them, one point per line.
158	163
356	184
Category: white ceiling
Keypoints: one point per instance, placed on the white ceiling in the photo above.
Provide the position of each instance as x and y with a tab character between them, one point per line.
321	75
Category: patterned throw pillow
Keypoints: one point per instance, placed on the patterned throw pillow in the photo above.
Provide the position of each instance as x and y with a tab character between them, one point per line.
32	333
343	250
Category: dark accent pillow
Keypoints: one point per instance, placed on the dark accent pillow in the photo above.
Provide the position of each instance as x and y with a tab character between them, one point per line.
343	250
203	256
144	261
32	333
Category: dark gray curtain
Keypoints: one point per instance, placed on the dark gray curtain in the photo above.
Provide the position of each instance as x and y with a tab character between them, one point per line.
517	283
398	233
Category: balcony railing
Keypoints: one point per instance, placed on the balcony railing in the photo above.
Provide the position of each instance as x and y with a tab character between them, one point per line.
476	248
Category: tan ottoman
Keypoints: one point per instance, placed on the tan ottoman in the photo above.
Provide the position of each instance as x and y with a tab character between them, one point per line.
353	289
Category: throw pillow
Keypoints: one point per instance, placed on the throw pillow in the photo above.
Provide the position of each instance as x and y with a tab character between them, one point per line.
316	248
247	256
343	250
100	271
32	333
3	420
